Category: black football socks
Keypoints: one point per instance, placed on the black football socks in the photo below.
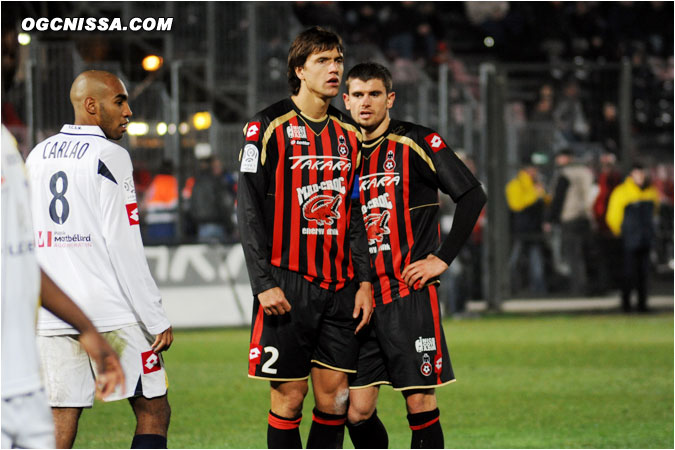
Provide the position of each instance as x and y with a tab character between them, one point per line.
369	433
426	429
283	432
148	441
327	431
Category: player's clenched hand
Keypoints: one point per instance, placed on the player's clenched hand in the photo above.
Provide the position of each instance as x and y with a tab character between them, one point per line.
273	302
163	340
363	302
423	270
110	373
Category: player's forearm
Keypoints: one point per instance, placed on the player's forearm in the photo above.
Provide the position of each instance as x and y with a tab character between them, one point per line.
466	214
59	304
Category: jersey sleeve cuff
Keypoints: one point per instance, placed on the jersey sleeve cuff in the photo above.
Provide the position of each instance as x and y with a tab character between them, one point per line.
159	328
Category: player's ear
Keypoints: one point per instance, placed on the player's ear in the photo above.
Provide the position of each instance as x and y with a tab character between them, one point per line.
90	105
345	97
390	99
299	73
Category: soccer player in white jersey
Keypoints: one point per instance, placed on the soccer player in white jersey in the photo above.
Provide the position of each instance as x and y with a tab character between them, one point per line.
26	420
86	226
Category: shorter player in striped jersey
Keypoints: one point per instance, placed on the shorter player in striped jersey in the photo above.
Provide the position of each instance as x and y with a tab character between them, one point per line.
305	246
402	169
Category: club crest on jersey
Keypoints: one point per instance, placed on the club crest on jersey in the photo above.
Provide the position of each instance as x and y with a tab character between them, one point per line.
132	213
390	162
296	132
249	159
426	368
376	227
322	209
253	131
435	142
342	147
254	354
150	362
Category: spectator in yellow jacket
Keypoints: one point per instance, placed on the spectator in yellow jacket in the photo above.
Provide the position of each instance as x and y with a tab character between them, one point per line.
630	215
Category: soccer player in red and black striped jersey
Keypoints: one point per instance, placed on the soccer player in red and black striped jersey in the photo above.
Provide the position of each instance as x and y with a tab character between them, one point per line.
305	245
403	167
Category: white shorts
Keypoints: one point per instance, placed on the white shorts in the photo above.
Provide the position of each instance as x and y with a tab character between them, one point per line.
27	421
68	371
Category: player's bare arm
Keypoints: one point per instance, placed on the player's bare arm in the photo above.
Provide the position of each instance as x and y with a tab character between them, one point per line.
274	302
163	340
363	302
423	270
110	372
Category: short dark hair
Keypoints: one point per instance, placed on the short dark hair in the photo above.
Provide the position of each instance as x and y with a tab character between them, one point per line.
371	70
312	40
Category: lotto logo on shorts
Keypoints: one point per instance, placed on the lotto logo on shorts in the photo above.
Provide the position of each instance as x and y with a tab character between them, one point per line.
132	213
253	131
438	363
254	354
150	362
435	142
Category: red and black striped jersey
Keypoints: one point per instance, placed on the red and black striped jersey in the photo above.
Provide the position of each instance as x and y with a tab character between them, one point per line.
294	197
401	173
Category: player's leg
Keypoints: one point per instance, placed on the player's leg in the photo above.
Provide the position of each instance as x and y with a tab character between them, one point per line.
152	421
286	398
65	426
424	418
366	430
331	393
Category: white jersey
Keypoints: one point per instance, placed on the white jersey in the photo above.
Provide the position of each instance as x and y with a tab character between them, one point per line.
87	231
20	278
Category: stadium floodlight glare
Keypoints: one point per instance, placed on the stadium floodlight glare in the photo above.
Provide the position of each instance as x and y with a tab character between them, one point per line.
171	129
138	128
162	128
183	128
23	38
152	62
202	120
489	41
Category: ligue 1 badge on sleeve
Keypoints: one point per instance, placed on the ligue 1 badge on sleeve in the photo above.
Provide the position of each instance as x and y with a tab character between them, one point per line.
249	159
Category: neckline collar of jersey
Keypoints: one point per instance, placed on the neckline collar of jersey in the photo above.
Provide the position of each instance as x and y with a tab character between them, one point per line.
94	130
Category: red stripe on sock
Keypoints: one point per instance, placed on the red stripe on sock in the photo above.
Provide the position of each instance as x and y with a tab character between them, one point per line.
331	422
424	425
283	424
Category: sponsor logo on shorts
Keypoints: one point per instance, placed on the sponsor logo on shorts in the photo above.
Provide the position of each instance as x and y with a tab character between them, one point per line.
132	213
426	368
438	363
150	362
254	354
435	142
425	344
253	131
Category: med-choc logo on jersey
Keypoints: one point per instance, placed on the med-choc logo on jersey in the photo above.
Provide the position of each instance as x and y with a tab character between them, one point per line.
253	131
150	362
319	207
132	213
376	214
435	142
376	227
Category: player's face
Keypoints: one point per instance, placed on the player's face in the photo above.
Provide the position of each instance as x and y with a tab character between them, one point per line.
114	111
322	73
368	102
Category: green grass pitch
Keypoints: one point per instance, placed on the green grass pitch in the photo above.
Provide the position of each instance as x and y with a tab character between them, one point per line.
555	381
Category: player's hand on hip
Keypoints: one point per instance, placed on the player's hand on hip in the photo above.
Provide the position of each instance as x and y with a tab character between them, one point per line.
110	373
418	273
363	301
163	340
273	302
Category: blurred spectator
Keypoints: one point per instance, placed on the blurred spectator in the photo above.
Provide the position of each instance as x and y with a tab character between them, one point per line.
211	204
571	209
526	198
607	130
543	109
160	206
630	215
609	247
569	114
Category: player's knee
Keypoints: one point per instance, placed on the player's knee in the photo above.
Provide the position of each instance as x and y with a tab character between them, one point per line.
421	401
154	411
360	408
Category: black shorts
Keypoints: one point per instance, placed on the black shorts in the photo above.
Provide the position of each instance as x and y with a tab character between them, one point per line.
319	330
405	345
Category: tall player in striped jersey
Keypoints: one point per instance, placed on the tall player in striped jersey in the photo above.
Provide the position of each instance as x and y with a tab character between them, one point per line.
305	246
85	219
403	167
